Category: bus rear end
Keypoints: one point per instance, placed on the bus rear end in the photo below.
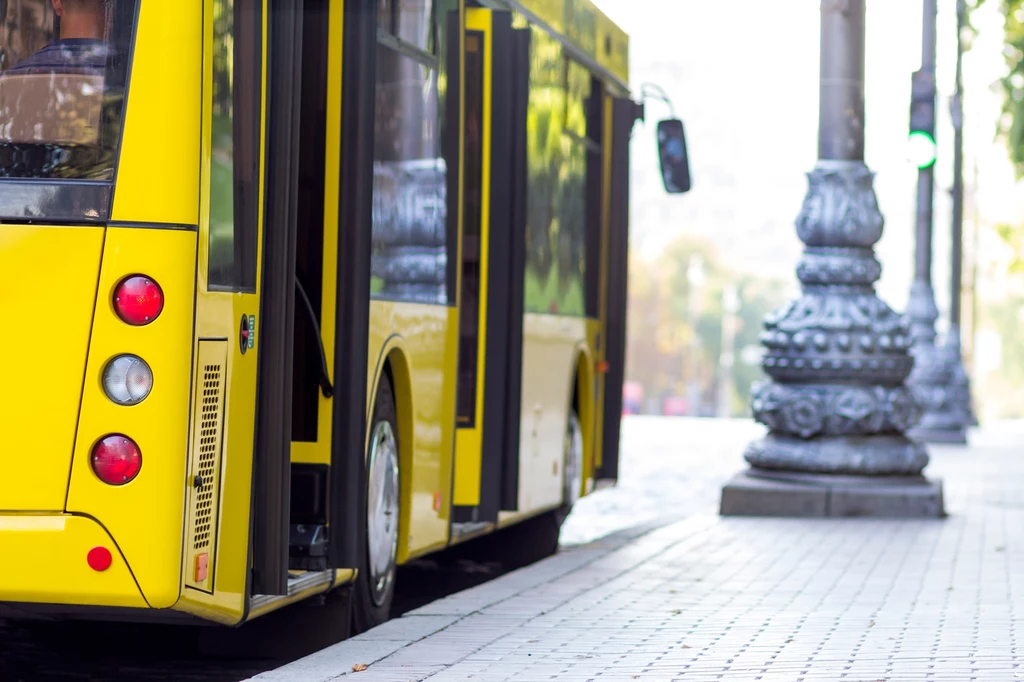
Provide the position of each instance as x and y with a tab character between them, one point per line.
98	245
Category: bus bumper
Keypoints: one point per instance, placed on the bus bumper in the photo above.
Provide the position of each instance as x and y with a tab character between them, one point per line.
45	560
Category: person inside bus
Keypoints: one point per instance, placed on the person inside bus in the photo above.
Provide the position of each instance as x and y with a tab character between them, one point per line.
81	47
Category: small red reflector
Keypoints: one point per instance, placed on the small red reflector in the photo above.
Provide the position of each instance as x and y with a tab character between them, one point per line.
138	300
99	558
603	366
116	459
202	566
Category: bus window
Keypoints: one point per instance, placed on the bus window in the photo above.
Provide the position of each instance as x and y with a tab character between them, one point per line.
235	132
63	66
409	260
408	20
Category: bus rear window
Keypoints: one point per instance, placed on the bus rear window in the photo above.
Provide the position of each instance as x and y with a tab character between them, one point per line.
63	70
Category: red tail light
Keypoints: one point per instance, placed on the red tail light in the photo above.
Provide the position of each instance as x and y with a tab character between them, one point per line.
138	300
99	558
116	459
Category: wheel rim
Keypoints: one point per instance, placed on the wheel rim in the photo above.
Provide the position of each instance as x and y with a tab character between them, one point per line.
573	460
382	510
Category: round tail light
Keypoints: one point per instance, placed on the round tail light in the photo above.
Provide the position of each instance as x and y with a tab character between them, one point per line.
138	300
116	459
127	380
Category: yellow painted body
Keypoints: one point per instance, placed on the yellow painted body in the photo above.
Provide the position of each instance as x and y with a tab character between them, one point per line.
217	316
419	343
64	577
586	27
52	505
552	345
469	439
47	352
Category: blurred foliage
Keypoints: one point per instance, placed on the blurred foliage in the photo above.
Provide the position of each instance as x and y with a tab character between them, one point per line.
1014	238
676	327
1011	125
1000	392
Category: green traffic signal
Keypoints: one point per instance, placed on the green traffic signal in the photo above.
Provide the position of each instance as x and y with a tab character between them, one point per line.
922	149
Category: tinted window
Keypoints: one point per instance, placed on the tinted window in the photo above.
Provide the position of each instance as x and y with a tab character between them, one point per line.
63	68
235	131
409	260
409	20
556	183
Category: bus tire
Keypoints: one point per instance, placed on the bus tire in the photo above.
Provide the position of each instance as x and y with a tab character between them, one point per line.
375	583
572	463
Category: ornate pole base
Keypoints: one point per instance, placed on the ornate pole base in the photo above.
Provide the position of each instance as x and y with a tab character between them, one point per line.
837	358
944	417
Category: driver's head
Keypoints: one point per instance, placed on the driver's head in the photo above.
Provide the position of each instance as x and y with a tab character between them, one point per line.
81	18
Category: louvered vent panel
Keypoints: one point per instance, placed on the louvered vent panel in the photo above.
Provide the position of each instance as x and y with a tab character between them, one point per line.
205	464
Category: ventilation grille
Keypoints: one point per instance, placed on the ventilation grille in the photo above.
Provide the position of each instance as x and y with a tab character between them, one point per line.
207	449
209	446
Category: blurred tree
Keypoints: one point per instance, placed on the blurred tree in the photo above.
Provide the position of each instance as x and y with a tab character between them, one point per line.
1002	396
675	325
1011	125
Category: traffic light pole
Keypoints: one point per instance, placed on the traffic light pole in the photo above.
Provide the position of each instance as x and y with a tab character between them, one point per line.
835	405
932	377
960	384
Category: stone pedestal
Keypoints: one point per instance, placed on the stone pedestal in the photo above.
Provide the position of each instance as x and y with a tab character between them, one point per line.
763	493
942	420
837	357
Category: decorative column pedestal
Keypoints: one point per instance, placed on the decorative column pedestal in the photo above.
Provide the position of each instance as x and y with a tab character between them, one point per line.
837	357
939	379
932	380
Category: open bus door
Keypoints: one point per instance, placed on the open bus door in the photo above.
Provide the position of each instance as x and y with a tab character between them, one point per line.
495	73
309	478
624	114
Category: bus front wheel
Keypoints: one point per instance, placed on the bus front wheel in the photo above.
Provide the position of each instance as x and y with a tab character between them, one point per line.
375	584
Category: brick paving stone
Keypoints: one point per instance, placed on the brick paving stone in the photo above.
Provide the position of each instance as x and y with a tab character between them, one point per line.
709	598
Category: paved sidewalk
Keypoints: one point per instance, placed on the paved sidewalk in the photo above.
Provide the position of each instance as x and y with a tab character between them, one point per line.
707	598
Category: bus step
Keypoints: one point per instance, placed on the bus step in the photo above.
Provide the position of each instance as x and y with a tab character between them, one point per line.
307	547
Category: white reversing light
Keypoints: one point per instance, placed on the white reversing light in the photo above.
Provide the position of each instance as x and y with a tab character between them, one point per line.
127	380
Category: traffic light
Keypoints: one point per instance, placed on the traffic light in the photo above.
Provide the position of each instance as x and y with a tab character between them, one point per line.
922	148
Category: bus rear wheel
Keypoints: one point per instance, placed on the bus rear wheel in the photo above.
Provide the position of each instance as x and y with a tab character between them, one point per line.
375	584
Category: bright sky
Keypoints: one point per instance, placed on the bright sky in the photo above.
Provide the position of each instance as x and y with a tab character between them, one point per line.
743	77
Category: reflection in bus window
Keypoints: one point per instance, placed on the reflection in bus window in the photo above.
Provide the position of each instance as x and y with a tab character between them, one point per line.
408	20
409	260
222	165
414	21
234	169
556	186
63	65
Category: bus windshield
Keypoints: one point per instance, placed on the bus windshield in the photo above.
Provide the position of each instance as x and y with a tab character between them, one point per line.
63	70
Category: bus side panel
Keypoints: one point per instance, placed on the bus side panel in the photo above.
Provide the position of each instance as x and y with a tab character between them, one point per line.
425	335
158	171
593	399
145	516
62	576
42	268
550	344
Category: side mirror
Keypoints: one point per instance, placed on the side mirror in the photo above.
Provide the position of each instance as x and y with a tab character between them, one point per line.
675	165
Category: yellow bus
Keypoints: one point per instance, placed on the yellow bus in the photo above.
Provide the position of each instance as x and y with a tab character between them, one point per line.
299	290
